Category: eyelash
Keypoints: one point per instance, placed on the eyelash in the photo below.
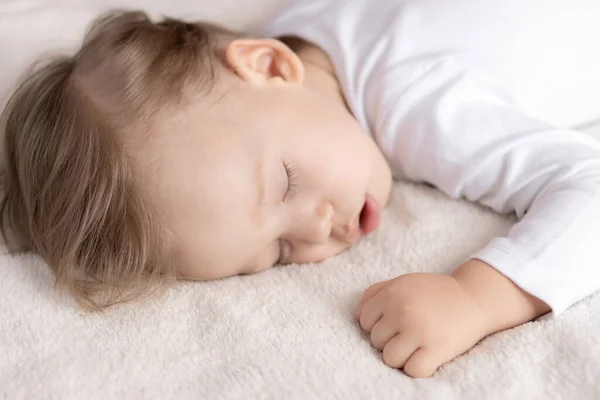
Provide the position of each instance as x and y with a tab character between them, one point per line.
290	171
291	174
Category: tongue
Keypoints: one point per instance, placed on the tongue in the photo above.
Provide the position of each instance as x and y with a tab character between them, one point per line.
370	215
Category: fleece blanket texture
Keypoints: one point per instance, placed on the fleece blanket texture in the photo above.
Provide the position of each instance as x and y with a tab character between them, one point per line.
288	333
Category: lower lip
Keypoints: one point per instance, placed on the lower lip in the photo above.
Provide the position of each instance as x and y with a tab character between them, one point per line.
370	215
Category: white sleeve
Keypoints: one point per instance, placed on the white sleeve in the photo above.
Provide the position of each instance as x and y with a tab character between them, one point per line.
452	131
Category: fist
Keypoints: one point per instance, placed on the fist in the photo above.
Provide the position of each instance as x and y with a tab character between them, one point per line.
421	321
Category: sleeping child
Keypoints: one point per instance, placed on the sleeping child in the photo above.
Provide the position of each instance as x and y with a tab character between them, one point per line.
165	150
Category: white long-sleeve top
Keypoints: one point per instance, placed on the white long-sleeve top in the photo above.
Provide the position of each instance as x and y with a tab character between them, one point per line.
481	98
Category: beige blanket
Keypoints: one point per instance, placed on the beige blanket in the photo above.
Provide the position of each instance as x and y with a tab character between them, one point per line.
284	334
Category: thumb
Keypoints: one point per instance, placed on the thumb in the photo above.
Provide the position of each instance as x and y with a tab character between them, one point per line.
368	294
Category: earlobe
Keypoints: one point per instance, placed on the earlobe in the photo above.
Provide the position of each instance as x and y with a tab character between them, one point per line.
264	60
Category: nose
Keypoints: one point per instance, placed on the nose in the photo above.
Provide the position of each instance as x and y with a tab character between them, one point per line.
314	227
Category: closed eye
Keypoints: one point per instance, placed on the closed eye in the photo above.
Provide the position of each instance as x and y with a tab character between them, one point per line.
291	178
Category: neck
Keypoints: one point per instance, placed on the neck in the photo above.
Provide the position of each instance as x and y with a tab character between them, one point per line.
319	72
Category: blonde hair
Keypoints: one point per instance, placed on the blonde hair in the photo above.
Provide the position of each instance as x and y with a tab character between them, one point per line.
70	192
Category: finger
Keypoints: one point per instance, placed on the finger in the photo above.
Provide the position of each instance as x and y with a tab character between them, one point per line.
371	313
382	332
398	350
368	294
422	364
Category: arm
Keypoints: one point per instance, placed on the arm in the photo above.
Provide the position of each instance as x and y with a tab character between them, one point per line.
503	303
451	130
454	131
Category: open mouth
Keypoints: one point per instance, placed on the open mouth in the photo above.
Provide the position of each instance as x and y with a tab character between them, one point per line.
370	215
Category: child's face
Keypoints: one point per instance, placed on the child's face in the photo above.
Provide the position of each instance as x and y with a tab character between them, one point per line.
273	171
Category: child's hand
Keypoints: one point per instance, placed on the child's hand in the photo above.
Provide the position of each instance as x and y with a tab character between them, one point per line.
421	321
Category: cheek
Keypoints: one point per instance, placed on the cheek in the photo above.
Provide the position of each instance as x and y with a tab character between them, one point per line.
343	152
197	273
354	148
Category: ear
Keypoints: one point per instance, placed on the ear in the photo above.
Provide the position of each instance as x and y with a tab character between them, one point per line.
264	60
